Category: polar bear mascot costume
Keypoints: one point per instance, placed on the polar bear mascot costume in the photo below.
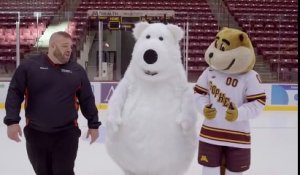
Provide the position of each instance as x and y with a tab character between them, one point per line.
151	126
229	93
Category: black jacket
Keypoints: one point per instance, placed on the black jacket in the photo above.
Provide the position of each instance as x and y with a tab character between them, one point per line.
52	95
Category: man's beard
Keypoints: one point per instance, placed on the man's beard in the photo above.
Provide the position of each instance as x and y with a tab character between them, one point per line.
59	56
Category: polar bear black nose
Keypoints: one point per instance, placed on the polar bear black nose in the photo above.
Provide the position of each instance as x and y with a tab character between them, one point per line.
150	56
211	55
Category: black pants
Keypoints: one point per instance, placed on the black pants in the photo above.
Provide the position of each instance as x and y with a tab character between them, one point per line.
52	153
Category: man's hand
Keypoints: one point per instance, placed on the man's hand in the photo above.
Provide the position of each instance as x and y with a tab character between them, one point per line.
94	133
14	131
231	113
209	112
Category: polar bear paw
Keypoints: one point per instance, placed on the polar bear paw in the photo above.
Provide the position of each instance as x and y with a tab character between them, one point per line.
185	124
114	123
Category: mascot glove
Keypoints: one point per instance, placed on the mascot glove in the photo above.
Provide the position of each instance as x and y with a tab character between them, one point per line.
114	122
209	112
231	113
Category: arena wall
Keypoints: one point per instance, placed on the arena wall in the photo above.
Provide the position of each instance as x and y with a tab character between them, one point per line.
280	97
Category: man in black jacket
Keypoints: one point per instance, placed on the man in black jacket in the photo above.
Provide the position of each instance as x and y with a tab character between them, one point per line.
53	88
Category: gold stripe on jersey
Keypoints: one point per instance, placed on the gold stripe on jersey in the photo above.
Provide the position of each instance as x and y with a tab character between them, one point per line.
256	96
261	98
224	135
225	130
261	101
200	90
224	140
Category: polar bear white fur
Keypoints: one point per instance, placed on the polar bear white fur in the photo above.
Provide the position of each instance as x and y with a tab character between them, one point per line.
151	126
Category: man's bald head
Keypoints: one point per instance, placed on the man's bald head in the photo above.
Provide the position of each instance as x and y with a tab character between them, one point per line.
57	35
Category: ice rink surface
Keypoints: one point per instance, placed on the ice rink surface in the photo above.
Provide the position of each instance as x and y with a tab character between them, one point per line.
274	149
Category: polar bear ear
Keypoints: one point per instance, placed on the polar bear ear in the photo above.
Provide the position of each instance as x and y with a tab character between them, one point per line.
177	32
139	28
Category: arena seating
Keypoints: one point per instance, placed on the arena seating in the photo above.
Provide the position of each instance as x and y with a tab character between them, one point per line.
294	74
284	74
273	28
29	29
202	24
271	24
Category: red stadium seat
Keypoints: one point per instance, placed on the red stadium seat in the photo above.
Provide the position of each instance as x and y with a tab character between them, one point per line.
274	64
284	74
287	63
294	63
294	74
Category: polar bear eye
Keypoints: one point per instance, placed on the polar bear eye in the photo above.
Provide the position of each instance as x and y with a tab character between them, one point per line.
161	38
148	36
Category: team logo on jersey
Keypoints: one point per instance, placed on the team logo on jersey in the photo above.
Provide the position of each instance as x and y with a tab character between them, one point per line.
203	158
44	68
244	166
66	71
217	93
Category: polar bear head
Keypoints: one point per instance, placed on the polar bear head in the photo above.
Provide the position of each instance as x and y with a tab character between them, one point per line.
156	54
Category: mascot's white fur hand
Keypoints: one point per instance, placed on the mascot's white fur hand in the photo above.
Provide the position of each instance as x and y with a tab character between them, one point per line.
115	104
188	116
185	123
114	122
